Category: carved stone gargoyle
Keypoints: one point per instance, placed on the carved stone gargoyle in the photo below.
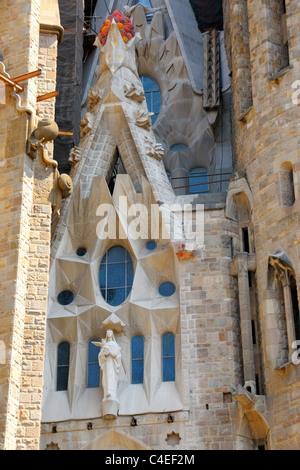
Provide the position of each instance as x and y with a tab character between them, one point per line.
47	131
63	188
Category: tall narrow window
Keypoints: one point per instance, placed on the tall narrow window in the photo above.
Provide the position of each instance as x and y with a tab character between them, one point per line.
285	36
93	376
253	331
295	307
168	357
198	181
278	36
287	188
63	361
137	360
153	96
246	244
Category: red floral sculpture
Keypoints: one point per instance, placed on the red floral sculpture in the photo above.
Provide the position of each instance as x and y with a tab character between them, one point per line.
124	24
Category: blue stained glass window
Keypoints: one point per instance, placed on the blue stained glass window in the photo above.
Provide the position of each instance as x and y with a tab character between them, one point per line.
168	357
65	297
81	252
151	246
167	289
63	360
153	96
198	181
93	378
137	360
116	276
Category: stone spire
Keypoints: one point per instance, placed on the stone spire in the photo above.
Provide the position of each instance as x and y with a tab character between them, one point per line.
118	118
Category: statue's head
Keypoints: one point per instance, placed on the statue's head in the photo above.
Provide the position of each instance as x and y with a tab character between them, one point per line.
109	334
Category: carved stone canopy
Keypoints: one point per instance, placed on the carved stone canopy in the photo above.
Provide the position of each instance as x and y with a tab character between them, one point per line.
283	267
113	323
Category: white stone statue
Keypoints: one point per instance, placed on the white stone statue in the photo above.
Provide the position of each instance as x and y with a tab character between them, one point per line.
110	361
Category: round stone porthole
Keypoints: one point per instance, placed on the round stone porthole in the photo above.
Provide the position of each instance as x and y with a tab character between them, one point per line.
151	245
66	297
167	289
81	251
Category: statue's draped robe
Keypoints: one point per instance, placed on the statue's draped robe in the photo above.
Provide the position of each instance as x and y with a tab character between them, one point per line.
110	366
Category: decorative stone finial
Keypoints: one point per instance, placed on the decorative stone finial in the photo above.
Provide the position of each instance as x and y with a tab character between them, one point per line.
117	45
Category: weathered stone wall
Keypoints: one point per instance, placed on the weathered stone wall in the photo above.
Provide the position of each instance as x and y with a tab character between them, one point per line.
266	138
16	199
25	226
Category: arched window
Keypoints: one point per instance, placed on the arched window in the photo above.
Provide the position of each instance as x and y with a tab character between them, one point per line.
93	376
198	181
168	357
116	276
137	360
63	361
287	188
153	96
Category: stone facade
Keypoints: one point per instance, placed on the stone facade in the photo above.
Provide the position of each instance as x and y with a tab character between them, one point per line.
266	137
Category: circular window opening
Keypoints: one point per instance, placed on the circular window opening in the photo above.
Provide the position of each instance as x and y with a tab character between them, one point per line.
66	297
116	276
81	252
179	148
151	245
167	289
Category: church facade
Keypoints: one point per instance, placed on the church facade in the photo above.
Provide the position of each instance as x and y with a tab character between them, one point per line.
150	274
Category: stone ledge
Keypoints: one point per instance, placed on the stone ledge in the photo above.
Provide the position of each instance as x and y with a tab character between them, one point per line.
242	117
290	372
53	29
279	74
211	201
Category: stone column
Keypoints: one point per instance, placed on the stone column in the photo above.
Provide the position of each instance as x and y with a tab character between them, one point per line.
241	269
